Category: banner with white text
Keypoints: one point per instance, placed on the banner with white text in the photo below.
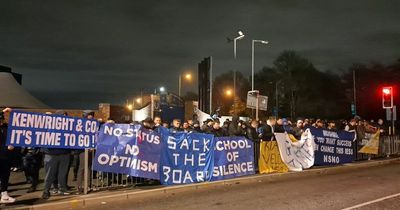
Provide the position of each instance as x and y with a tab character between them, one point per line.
128	149
296	154
186	157
27	129
233	157
333	147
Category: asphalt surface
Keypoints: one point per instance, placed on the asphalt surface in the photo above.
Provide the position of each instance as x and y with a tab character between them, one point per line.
324	191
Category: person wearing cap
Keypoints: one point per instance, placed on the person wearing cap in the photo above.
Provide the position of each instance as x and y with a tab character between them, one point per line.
5	160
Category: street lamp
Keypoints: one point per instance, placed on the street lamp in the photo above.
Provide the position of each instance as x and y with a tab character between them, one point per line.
252	60
188	77
129	106
228	92
162	89
241	36
139	101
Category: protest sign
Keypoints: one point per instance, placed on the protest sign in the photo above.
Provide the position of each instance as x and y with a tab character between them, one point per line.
128	149
333	147
186	157
270	159
296	154
233	157
27	129
372	145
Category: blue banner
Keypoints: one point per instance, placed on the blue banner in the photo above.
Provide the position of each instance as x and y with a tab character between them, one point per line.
128	149
187	157
233	157
333	147
27	129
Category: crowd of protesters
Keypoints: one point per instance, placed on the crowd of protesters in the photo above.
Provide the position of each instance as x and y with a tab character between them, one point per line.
57	162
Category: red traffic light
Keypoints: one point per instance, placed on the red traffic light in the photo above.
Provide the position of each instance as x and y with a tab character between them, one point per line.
387	97
387	90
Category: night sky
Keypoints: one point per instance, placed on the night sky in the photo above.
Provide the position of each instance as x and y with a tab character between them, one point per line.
76	54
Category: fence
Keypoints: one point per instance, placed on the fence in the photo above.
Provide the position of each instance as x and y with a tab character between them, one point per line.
95	180
388	145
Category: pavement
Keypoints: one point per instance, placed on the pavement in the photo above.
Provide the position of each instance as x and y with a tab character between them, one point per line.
329	188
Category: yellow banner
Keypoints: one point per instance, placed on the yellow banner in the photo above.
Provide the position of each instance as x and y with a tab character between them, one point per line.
372	147
270	159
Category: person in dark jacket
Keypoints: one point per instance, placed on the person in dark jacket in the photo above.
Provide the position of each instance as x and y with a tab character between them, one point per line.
56	166
235	128
298	130
268	130
5	160
217	130
196	126
251	131
252	135
31	165
207	126
89	114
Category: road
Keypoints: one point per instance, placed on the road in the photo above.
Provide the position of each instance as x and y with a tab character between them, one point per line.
333	191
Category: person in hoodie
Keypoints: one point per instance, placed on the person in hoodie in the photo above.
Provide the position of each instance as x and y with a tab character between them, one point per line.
235	128
56	165
5	160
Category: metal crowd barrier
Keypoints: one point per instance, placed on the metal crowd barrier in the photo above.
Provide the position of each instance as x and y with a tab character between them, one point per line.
388	145
96	180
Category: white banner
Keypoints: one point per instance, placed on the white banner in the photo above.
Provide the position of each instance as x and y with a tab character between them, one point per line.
296	154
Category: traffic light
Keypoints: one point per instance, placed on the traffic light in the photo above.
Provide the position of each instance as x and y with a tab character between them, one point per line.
387	97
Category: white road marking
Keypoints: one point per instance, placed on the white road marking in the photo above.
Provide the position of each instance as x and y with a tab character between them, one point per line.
373	201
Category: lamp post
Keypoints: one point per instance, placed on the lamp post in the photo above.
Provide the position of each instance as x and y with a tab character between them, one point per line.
241	36
187	77
252	59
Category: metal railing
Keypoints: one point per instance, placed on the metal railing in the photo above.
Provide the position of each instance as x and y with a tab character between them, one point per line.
96	180
388	145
